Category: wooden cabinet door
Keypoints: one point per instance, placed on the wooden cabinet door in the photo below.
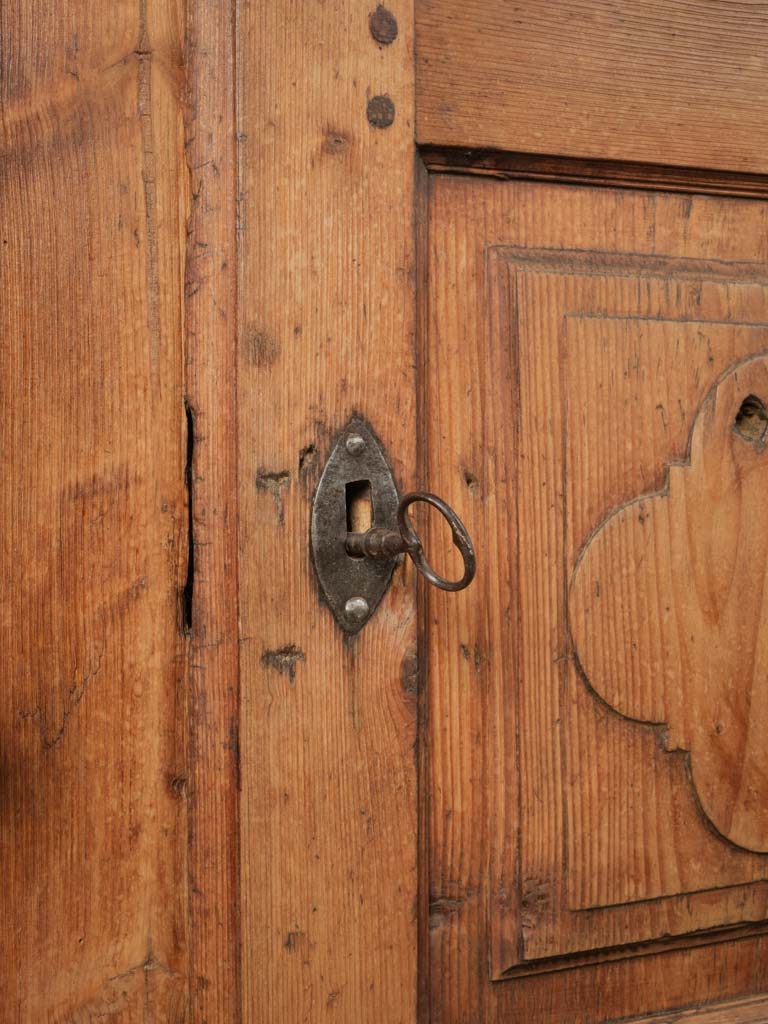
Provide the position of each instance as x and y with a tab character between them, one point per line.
597	394
527	243
595	382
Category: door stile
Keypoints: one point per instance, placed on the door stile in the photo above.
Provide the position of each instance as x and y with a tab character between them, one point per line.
326	324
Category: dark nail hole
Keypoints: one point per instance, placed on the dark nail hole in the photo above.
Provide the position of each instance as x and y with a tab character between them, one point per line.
751	421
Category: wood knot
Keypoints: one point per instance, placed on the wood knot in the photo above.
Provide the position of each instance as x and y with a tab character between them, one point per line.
335	143
751	421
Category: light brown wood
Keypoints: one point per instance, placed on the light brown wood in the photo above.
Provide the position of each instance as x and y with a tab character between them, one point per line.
211	253
740	1011
574	335
679	84
612	173
667	609
210	187
92	911
326	326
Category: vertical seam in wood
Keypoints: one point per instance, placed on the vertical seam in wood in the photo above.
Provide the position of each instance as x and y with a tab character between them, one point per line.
234	25
210	301
421	224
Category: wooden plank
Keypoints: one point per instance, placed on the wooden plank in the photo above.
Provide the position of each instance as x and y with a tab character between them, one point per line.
500	412
92	914
673	84
740	1011
326	326
211	368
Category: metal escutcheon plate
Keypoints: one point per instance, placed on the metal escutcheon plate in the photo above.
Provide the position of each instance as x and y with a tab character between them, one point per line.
353	587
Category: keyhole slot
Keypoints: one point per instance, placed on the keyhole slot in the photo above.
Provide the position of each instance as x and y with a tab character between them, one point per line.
359	507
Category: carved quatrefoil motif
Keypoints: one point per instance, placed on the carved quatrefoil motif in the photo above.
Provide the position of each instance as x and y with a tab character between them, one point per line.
668	606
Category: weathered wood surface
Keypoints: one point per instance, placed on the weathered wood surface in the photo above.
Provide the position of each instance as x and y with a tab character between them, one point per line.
143	179
573	336
92	904
667	606
679	84
326	326
739	1011
210	372
565	170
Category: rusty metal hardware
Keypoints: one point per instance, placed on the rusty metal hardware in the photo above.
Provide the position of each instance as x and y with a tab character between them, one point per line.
354	566
380	543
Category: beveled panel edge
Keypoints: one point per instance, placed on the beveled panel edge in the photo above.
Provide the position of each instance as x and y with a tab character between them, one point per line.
511	166
582	262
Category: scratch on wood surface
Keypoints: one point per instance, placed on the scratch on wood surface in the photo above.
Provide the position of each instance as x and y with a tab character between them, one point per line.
442	908
274	481
292	940
77	691
409	672
283	659
307	460
149	963
261	348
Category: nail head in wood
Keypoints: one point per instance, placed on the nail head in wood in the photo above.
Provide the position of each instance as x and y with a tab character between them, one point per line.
380	112
383	25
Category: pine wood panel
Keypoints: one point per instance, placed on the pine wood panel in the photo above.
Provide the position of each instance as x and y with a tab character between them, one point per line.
326	326
699	573
211	366
739	1011
573	335
637	341
92	911
678	84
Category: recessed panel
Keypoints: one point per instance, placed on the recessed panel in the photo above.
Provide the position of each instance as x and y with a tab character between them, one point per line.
597	364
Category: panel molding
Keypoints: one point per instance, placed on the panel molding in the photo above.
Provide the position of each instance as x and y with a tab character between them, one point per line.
536	905
511	166
473	392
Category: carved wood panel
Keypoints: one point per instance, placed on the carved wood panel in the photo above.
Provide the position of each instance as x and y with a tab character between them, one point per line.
614	357
668	606
598	779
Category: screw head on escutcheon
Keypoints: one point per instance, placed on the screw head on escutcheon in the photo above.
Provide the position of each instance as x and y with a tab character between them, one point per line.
356	608
355	444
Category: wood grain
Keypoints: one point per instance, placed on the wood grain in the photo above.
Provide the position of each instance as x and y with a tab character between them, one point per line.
678	84
565	170
588	311
210	283
326	325
739	1011
92	911
679	639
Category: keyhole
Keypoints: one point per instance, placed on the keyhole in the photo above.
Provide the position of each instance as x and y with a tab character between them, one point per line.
359	507
751	421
